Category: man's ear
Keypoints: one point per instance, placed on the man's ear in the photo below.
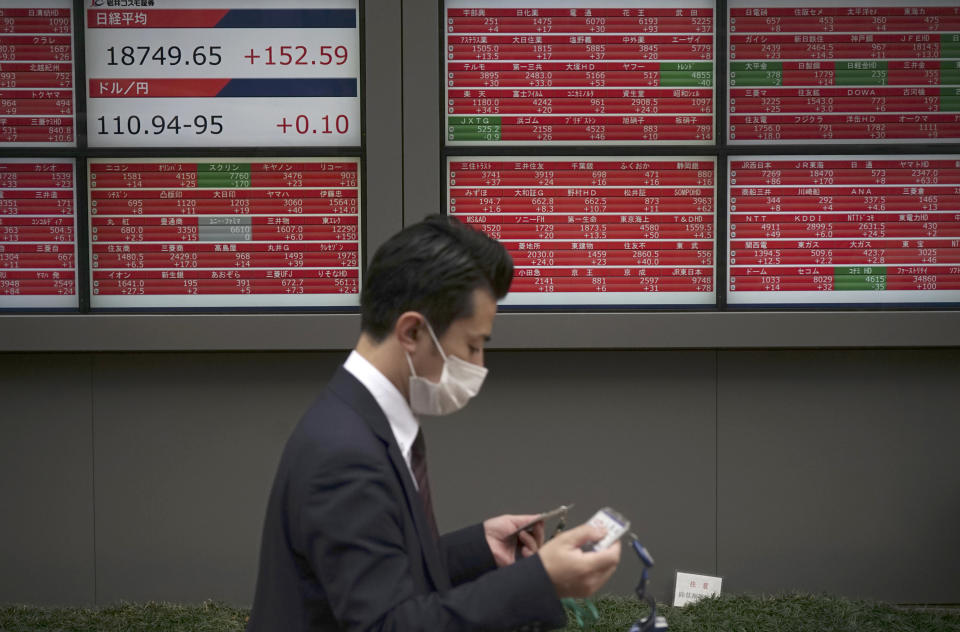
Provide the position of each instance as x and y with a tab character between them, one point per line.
407	330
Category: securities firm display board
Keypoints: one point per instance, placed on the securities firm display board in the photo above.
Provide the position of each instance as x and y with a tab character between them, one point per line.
844	72
595	231
37	102
877	229
196	232
569	72
224	73
38	233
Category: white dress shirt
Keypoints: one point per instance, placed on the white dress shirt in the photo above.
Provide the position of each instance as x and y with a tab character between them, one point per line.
402	421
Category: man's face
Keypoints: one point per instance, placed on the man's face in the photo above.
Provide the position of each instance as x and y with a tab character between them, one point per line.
464	338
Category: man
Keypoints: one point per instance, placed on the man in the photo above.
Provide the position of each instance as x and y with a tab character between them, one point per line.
349	540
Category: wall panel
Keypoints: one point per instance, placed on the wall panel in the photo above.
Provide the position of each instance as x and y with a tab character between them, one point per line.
826	471
186	449
838	473
46	469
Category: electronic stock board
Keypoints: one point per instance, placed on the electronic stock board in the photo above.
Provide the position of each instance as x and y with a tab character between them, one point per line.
586	230
826	228
38	205
223	73
182	233
234	232
37	98
38	233
843	72
597	230
616	228
844	229
207	232
565	72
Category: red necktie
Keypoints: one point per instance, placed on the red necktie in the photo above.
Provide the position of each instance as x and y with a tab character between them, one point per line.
418	463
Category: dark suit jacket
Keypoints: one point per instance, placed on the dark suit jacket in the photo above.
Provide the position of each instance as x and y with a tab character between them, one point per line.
347	546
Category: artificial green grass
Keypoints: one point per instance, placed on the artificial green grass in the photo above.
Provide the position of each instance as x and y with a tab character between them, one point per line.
784	613
125	617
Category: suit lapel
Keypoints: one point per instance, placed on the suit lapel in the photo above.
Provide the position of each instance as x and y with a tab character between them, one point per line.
348	388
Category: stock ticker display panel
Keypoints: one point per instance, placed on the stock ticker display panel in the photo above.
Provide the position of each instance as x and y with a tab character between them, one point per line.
223	73
37	99
38	233
224	232
569	72
587	230
874	229
595	231
856	71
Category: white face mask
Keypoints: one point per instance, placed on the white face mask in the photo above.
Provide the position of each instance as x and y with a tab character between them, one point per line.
459	381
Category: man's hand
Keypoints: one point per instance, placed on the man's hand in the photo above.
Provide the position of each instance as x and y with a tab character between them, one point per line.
503	544
573	572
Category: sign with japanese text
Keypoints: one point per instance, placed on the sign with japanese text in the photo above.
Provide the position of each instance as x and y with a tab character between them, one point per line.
599	230
38	233
234	73
569	72
858	71
37	98
690	588
844	229
224	232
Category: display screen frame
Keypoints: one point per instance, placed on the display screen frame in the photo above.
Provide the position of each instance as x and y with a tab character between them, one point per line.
721	149
402	65
639	150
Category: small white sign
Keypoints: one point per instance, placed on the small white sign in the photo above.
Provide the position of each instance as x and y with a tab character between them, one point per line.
690	588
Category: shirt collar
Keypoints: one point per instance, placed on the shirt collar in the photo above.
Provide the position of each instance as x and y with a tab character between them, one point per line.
402	421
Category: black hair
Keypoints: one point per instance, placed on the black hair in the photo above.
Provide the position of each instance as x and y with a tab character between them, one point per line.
431	267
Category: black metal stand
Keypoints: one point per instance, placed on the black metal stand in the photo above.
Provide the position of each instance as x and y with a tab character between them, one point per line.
651	622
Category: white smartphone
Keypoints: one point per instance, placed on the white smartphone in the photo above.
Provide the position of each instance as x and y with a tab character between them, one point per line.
615	524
